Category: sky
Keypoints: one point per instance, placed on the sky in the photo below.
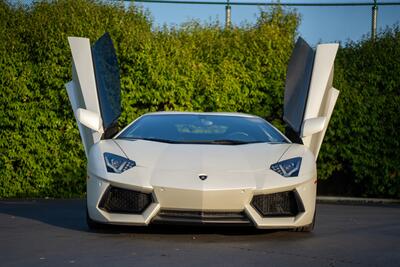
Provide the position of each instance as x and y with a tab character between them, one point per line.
318	24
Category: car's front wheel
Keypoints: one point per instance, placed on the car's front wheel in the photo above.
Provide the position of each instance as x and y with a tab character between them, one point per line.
93	225
307	228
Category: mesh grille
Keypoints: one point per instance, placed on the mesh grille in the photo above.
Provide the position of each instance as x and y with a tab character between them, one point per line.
284	204
119	200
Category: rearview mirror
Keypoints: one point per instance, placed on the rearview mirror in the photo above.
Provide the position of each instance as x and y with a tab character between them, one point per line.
312	126
90	119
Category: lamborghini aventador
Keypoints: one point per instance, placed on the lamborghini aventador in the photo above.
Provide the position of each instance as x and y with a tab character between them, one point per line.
201	167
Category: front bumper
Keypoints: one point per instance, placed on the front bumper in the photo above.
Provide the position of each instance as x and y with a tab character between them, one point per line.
205	206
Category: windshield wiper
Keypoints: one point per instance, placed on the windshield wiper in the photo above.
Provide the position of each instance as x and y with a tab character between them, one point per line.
232	142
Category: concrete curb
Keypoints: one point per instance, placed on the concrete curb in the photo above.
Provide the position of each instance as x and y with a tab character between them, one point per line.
356	200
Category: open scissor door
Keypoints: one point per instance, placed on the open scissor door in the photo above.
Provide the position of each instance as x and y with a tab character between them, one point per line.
309	95
95	86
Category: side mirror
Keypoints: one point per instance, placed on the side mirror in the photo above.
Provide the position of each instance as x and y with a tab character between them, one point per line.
90	119
312	126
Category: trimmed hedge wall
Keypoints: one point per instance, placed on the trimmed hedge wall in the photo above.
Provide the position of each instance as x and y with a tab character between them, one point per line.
363	143
192	67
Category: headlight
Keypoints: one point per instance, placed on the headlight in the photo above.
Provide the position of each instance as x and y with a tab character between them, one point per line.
117	164
287	168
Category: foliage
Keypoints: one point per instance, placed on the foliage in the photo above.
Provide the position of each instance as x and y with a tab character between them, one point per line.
191	67
40	150
362	141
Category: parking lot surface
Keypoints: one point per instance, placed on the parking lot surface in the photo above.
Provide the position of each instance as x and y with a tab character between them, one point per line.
54	233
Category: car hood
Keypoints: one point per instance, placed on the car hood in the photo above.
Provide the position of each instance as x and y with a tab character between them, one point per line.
202	157
166	165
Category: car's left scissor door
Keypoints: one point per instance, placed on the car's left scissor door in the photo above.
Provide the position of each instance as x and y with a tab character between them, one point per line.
95	86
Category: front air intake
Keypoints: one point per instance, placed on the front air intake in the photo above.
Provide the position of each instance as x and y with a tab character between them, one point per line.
202	217
119	200
283	204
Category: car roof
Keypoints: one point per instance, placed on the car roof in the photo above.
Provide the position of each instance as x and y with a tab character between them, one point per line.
235	114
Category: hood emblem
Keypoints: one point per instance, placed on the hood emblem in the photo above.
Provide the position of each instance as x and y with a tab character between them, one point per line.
203	176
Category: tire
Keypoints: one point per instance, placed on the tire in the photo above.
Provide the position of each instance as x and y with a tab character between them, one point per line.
307	228
93	225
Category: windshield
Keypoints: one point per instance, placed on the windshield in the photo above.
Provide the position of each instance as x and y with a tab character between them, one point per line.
203	129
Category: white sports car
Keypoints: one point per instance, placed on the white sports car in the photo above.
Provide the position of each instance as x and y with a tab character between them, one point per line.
196	167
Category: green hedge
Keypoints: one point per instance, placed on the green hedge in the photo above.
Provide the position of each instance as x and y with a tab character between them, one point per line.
190	67
363	142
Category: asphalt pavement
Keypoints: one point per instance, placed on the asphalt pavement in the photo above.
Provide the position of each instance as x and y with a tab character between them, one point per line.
54	233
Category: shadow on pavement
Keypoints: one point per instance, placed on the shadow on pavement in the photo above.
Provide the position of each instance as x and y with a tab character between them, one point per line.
70	214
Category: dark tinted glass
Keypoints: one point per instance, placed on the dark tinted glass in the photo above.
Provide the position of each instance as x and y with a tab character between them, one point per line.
298	80
198	128
107	79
